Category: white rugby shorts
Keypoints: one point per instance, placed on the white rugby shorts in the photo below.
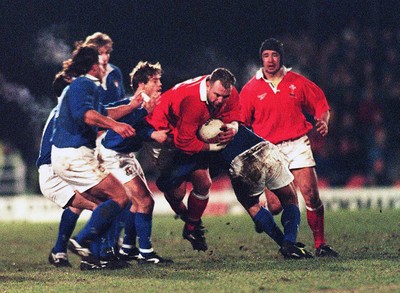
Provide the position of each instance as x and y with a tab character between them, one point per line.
78	167
53	187
123	166
262	166
298	152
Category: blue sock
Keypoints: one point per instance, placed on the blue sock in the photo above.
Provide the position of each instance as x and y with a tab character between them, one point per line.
130	230
265	220
95	247
290	220
106	247
110	235
121	218
101	219
66	227
143	228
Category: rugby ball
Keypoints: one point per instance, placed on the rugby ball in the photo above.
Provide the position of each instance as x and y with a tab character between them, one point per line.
209	131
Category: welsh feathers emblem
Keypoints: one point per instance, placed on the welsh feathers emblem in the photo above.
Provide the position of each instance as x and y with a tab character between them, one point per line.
292	88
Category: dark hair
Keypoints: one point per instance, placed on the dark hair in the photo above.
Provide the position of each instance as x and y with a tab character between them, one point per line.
82	61
273	44
60	82
226	77
142	72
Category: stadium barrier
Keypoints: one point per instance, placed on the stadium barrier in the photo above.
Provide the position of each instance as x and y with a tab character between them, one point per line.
36	208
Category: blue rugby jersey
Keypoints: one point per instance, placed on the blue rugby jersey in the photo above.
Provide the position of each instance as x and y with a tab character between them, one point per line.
45	144
70	130
114	141
242	141
115	90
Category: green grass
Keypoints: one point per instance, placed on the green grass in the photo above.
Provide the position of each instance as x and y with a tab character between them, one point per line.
238	259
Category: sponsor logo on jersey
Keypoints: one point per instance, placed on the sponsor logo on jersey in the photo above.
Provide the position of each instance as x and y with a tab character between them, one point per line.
262	96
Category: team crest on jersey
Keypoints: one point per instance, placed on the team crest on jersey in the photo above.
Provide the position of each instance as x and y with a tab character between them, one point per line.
262	96
128	171
292	88
116	83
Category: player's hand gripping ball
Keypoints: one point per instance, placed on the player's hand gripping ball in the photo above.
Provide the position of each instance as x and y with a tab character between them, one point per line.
209	131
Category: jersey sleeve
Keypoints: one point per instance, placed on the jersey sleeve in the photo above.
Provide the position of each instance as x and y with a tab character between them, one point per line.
81	98
158	118
315	100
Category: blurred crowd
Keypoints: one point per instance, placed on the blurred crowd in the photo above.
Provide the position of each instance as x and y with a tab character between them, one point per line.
359	71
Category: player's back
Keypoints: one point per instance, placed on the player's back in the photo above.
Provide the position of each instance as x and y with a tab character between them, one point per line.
166	114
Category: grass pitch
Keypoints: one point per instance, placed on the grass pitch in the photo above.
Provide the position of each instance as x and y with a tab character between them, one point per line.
238	259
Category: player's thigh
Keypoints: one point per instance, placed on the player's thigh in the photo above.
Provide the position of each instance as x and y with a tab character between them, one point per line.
140	194
179	171
110	188
124	166
243	193
78	167
287	195
80	202
273	203
53	187
176	194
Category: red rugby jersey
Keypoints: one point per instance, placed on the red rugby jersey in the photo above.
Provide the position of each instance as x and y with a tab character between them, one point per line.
276	114
183	109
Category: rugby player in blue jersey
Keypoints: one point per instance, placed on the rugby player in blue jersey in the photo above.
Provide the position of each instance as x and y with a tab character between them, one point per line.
61	193
254	164
79	117
113	80
113	86
118	156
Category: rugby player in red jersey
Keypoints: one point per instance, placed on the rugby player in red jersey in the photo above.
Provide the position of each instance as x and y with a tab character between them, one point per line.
273	103
183	109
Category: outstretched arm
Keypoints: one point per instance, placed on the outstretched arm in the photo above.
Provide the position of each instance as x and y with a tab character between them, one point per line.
94	118
123	110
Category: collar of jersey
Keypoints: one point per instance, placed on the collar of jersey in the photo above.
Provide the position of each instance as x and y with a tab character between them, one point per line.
260	74
108	71
94	79
203	91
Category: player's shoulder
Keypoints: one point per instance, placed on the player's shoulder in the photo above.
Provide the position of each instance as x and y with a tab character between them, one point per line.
83	80
189	83
115	68
235	91
114	72
250	85
296	76
301	81
83	83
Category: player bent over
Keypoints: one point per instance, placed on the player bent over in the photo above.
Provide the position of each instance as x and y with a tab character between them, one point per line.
118	157
183	109
255	164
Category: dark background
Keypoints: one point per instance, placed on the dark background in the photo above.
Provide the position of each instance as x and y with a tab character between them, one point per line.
188	38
